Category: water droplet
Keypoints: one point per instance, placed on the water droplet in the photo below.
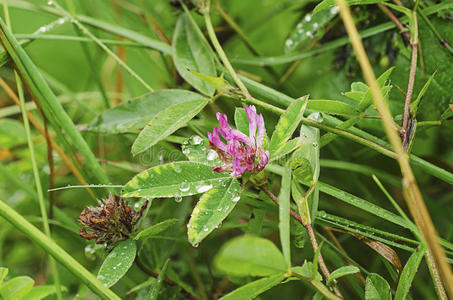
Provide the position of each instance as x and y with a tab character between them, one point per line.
334	10
178	199
196	140
178	169
114	268
315	144
186	151
61	21
205	229
204	188
49	2
236	199
195	244
212	154
307	18
185	186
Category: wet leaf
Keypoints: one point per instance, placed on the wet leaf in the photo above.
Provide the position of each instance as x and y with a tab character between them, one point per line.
16	288
253	289
41	292
408	273
117	263
212	208
166	122
155	229
176	179
197	149
343	271
377	288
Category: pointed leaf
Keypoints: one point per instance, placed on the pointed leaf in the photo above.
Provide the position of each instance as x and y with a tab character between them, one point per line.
133	115
166	122
155	229
250	256
253	289
343	271
287	124
408	273
174	180
191	52
332	107
117	263
284	208
3	273
212	208
287	148
41	292
377	288
16	288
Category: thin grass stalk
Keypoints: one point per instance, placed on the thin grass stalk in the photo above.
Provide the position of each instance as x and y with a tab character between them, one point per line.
411	191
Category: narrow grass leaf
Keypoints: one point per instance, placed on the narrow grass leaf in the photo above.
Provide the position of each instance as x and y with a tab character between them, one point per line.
166	122
133	115
190	53
175	179
250	256
41	292
156	287
408	273
284	208
212	208
255	288
118	262
156	229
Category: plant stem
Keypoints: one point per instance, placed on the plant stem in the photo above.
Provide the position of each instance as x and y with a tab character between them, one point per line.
145	270
411	191
311	235
221	53
56	251
410	89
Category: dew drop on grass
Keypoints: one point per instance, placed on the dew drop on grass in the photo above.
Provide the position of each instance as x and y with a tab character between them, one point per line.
178	169
185	186
178	199
236	199
196	140
212	154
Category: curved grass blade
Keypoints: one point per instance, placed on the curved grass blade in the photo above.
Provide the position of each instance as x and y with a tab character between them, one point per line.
253	289
340	272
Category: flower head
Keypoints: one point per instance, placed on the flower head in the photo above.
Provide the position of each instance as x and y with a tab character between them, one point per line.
241	152
112	221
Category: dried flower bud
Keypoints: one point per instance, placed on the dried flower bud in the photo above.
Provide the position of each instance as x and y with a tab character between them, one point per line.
112	221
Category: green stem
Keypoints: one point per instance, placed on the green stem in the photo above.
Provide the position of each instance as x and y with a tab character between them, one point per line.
42	206
221	53
56	252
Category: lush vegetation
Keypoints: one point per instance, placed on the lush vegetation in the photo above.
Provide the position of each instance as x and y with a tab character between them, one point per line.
211	149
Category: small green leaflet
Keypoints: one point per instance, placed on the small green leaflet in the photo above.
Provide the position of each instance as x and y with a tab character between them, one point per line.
212	208
253	289
332	107
133	115
175	179
117	262
331	4
191	52
408	273
42	292
284	209
155	229
377	288
16	288
342	271
287	124
250	256
166	122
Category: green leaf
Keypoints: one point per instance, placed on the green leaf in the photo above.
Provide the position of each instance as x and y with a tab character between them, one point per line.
250	256
118	262
221	85
377	288
196	149
241	120
12	133
284	208
253	289
192	53
16	288
175	179
3	273
166	122
287	148
416	104
41	292
331	4
408	273
155	289
448	113
332	107
310	28
287	124
133	115
155	229
381	80
212	208
343	271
